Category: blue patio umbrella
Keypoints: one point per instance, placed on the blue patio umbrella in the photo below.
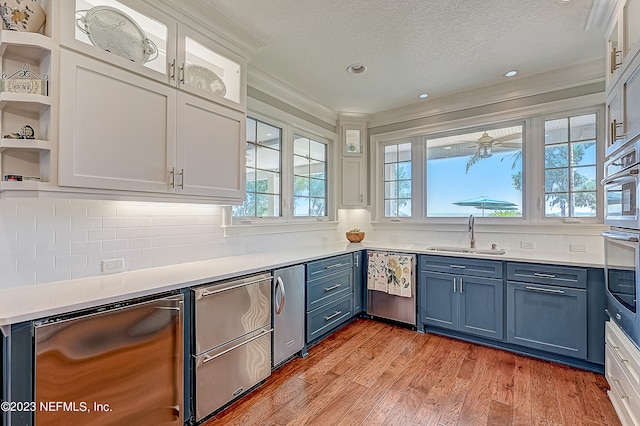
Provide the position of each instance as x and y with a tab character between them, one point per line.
483	202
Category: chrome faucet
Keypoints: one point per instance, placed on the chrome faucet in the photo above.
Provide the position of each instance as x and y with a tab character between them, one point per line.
472	233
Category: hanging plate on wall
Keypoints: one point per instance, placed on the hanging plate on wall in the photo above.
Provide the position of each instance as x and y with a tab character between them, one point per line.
116	32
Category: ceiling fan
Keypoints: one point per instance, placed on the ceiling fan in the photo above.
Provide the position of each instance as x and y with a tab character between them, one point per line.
485	143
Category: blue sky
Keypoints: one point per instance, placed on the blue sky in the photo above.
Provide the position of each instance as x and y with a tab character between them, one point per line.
447	183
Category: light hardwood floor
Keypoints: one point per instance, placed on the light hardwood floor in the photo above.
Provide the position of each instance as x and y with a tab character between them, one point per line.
372	373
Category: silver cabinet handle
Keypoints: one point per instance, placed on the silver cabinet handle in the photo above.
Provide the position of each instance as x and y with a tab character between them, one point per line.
182	73
335	265
333	287
616	353
280	306
209	293
172	69
620	236
181	180
211	358
460	284
540	275
458	266
454	284
619	391
173	177
356	260
545	290
330	317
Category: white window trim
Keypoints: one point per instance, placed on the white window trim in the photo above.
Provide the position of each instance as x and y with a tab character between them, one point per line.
290	125
532	168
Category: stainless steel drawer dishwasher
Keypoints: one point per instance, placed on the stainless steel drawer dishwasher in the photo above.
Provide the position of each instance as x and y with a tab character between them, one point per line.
232	340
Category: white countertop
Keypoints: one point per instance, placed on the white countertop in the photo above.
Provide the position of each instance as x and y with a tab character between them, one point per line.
44	300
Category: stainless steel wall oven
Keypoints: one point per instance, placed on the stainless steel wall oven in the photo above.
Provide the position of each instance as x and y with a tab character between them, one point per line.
622	257
621	243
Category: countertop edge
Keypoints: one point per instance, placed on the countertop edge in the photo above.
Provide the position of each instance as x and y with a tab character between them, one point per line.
27	303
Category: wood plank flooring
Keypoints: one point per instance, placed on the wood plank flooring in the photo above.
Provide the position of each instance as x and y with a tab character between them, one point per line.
372	373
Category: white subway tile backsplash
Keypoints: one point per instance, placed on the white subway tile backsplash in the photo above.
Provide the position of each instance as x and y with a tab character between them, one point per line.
86	247
70	261
128	233
115	245
101	234
115	222
154	231
139	243
84	222
140	221
44	240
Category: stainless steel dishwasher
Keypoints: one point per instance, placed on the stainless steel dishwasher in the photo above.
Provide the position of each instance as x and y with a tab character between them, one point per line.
288	313
120	365
232	340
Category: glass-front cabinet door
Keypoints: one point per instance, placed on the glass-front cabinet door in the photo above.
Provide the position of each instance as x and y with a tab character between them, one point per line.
147	40
125	33
204	71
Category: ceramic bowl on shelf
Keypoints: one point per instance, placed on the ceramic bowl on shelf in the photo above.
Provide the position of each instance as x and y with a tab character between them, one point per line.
22	15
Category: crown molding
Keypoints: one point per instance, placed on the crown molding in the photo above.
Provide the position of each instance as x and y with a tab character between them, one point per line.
277	88
601	14
564	78
231	35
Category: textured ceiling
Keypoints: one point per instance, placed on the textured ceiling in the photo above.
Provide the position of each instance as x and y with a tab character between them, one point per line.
410	46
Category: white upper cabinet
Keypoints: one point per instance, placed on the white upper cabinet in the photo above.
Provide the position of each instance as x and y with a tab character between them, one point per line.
623	84
143	39
149	106
117	129
353	160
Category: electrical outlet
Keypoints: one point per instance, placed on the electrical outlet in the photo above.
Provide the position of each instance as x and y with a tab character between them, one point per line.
529	245
112	266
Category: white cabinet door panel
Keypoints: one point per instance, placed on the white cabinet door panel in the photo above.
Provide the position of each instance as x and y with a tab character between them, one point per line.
117	130
211	149
354	185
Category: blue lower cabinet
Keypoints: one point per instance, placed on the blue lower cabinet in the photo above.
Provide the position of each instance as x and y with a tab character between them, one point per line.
549	318
481	307
473	305
322	320
439	301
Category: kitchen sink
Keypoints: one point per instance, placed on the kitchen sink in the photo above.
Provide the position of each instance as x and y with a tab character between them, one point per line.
465	250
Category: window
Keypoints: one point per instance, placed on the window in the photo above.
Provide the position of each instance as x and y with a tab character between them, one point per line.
397	180
476	173
309	177
570	166
263	171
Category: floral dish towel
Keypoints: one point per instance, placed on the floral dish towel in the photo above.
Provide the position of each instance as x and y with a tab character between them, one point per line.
400	274
377	272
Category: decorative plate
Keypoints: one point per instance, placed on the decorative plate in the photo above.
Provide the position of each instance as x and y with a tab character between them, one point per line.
116	32
205	79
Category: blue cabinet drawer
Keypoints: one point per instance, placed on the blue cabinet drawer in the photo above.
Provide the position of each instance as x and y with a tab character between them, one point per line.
564	276
328	288
323	267
322	320
462	266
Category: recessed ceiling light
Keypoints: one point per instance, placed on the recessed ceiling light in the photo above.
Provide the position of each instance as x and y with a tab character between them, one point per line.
510	73
447	148
564	1
423	95
356	68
